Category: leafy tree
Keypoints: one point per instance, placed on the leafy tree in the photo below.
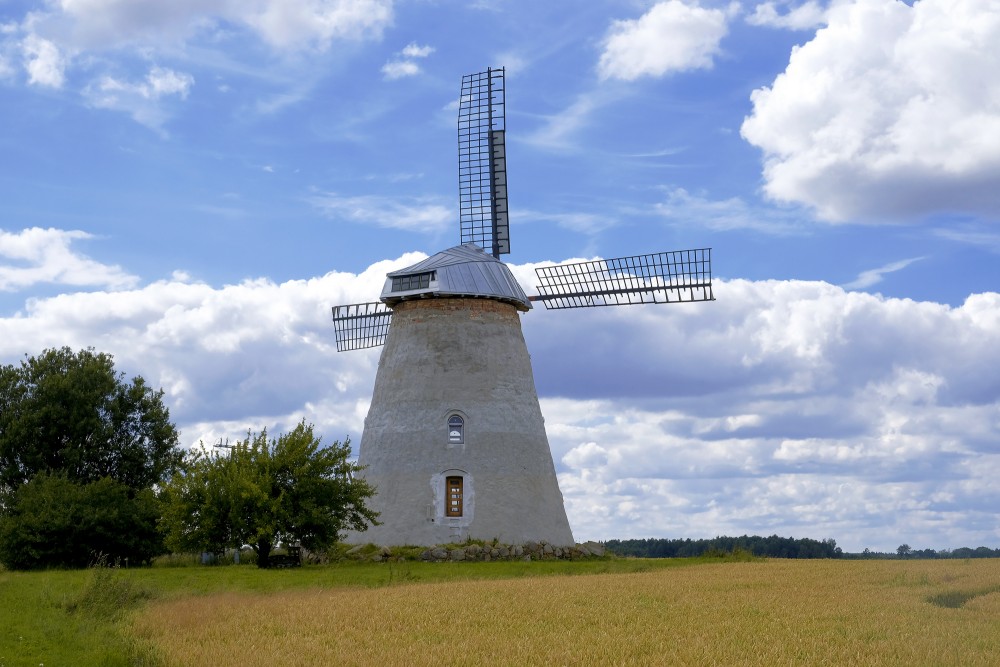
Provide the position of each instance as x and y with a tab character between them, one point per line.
70	413
264	492
81	449
56	521
904	550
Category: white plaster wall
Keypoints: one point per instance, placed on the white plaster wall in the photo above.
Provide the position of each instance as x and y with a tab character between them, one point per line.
468	356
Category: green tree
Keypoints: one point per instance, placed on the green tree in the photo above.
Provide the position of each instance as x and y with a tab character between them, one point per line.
70	413
904	550
56	521
81	449
264	492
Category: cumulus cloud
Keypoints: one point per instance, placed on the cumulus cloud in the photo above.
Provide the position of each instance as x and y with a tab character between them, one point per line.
788	407
673	36
254	354
419	214
892	111
45	256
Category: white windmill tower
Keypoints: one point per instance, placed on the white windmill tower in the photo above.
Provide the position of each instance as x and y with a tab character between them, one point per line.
454	441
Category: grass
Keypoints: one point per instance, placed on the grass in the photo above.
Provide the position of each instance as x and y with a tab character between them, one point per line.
55	618
621	611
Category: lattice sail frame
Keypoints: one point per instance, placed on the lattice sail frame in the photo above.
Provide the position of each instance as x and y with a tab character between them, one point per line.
361	325
666	277
482	162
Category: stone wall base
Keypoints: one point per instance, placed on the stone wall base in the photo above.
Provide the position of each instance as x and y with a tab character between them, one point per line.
483	552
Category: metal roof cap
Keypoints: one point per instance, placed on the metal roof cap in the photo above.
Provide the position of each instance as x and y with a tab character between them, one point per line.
463	271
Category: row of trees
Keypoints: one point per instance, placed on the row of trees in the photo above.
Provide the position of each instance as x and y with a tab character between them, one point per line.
905	551
779	547
90	465
773	546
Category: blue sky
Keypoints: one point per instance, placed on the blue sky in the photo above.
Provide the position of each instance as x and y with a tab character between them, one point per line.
191	185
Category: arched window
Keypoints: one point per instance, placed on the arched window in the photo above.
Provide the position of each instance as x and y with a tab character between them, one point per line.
456	430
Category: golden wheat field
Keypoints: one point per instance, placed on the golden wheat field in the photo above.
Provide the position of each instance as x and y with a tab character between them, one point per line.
773	612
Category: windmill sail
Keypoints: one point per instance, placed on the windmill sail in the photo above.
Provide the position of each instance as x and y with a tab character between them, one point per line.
361	325
666	277
482	162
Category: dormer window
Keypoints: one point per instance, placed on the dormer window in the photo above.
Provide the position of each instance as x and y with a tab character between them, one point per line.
413	281
456	430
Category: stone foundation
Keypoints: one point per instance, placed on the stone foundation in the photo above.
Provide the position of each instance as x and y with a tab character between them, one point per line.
495	551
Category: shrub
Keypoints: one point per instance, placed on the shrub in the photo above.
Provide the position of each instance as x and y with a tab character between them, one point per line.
108	593
56	522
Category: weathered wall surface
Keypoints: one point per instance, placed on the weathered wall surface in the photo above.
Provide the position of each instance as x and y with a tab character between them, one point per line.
467	357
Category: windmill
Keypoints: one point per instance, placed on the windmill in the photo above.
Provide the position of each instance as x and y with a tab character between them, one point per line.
454	441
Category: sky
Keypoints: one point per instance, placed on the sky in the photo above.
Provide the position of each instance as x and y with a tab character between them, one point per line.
190	186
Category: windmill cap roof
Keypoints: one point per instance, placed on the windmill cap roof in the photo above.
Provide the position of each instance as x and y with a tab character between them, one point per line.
463	271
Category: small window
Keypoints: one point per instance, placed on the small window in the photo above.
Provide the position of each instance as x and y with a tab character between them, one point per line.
412	282
456	430
453	507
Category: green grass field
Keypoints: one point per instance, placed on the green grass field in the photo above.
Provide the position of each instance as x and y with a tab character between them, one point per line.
621	611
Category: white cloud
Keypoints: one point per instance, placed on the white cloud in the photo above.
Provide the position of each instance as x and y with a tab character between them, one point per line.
673	36
85	37
398	69
143	100
808	15
253	354
284	24
418	214
891	111
291	24
36	256
874	276
162	81
785	407
44	62
414	50
404	65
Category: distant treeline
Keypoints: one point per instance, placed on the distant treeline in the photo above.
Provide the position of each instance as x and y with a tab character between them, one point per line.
777	547
904	551
773	546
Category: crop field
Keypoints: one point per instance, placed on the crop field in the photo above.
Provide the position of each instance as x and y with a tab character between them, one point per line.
624	612
767	613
